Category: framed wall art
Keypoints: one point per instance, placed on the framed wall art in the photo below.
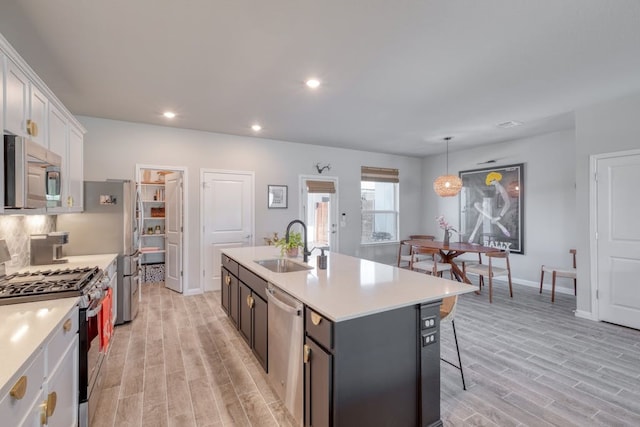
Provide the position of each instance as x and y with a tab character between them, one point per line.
277	197
492	207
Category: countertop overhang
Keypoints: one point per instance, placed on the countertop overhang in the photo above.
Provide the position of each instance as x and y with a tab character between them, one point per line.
350	287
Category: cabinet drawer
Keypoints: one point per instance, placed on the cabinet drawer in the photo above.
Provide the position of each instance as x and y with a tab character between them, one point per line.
12	409
256	283
64	333
319	328
230	265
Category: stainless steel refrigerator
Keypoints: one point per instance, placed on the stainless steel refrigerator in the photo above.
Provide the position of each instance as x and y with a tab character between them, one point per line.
109	224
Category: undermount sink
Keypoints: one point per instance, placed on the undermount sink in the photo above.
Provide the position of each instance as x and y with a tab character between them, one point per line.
282	265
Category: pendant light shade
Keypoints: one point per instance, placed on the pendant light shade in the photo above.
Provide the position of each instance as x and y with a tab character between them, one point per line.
447	185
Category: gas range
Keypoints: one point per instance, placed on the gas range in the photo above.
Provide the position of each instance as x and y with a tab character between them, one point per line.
30	286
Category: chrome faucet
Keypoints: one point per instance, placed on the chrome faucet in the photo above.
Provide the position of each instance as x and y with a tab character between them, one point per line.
305	250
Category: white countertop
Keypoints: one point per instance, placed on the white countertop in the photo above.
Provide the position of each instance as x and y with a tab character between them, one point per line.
349	287
24	328
101	260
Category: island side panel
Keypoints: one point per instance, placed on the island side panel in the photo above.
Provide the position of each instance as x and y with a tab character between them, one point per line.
378	374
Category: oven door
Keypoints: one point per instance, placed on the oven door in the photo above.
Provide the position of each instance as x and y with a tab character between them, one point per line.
95	367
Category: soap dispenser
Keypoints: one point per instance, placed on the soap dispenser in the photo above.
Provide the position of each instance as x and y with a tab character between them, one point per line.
322	260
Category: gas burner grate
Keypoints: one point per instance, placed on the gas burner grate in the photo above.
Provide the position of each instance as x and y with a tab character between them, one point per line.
35	283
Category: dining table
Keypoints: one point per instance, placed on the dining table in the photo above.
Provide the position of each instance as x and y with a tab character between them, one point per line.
450	251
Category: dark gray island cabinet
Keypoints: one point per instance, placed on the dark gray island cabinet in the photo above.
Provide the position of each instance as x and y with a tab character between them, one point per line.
378	370
371	347
244	299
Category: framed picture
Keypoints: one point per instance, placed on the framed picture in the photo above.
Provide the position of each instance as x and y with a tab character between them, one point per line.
492	207
278	197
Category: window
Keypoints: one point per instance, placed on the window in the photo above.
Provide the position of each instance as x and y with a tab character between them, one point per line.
379	205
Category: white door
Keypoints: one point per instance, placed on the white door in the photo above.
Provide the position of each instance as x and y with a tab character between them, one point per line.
228	212
618	243
319	211
173	231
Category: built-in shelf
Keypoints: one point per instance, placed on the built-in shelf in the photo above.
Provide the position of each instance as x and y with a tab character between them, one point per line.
153	201
153	235
145	252
152	183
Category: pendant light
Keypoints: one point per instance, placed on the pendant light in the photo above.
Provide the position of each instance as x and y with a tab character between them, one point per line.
447	185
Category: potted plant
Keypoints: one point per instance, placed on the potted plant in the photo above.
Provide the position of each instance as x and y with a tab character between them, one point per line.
290	248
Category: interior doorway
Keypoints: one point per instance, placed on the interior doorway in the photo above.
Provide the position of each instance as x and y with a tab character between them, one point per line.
616	256
162	215
227	218
319	210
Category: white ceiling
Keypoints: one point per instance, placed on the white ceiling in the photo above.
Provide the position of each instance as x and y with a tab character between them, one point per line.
397	75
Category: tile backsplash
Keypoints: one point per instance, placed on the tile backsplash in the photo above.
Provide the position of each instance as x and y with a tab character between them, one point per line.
16	229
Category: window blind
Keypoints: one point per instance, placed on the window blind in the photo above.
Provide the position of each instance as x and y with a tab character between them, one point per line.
320	187
380	174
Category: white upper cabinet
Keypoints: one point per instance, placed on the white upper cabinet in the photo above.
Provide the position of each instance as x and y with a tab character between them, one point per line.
37	118
29	109
58	136
26	108
75	171
16	99
67	141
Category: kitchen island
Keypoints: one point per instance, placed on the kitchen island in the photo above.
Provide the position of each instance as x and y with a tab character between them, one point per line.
371	334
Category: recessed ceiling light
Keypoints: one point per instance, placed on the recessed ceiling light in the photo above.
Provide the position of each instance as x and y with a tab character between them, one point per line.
169	114
313	83
256	127
509	124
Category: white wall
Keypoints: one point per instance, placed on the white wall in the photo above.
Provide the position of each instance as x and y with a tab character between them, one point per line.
603	128
113	148
549	198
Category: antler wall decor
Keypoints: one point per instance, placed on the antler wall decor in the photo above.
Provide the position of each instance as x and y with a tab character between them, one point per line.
322	168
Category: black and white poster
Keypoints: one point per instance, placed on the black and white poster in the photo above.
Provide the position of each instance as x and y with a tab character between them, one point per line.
491	207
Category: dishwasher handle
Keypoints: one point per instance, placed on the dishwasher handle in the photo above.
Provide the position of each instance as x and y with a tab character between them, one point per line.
272	299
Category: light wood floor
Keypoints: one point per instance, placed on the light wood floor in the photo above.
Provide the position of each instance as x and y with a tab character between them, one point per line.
527	363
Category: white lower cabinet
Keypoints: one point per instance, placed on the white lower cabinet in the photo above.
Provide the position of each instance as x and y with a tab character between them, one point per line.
46	391
62	383
16	408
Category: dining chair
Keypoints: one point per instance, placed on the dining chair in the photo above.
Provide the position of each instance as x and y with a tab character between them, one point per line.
447	314
404	255
568	272
491	270
429	263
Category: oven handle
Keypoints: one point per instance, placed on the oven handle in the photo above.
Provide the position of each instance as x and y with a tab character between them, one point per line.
93	312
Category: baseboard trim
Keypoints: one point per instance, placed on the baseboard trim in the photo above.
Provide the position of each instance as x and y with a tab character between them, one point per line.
585	315
189	292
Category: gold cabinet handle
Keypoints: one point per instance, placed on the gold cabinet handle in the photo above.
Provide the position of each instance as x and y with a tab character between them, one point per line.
52	400
67	325
69	201
19	389
306	353
32	128
227	279
315	318
250	301
48	407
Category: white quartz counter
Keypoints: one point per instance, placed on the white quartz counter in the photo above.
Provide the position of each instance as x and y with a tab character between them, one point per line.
24	328
349	287
101	260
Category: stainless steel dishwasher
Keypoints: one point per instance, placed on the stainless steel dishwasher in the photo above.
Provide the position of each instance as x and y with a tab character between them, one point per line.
286	330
